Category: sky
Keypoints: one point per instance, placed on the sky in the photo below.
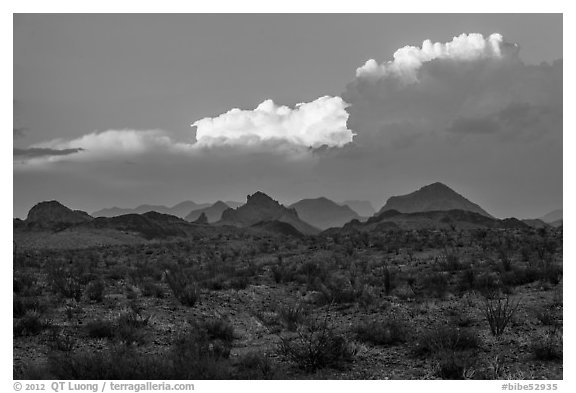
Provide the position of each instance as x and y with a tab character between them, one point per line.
121	110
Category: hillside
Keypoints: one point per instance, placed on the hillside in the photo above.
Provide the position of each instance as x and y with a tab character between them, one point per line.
434	220
52	214
323	213
433	197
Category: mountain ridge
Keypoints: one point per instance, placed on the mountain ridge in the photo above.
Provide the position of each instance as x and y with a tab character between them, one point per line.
432	197
323	213
258	208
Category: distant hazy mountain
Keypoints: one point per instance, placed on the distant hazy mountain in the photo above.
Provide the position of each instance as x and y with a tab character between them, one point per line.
180	210
53	214
433	197
363	208
442	219
233	204
557	223
261	208
213	213
552	216
323	213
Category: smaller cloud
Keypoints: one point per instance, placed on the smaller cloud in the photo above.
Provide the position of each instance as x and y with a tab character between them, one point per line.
409	59
113	143
35	152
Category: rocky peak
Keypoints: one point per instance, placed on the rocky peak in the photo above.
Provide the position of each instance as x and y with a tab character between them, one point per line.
202	219
53	212
261	199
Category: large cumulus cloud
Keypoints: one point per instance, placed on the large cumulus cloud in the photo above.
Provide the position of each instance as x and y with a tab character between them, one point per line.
468	112
470	85
314	124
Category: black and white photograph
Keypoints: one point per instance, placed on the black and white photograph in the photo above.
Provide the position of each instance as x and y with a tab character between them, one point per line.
287	196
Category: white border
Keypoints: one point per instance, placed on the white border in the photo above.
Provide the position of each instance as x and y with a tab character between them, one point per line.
300	6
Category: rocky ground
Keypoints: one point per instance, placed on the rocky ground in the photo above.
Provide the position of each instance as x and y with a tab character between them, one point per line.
254	309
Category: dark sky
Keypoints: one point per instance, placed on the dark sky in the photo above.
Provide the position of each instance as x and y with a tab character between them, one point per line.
103	106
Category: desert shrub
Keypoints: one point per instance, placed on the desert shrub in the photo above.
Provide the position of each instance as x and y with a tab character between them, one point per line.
60	340
389	332
118	363
488	285
195	356
557	298
192	356
128	327
388	282
450	262
22	305
118	272
552	273
217	329
548	347
366	298
95	291
240	282
317	346
446	338
339	289
151	289
254	365
292	315
25	284
312	270
144	271
547	316
454	365
435	284
505	259
499	312
467	280
131	291
215	283
284	272
32	323
184	289
100	328
277	273
64	281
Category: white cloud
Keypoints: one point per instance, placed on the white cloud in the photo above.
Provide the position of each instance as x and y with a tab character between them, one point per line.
114	142
268	129
314	124
409	59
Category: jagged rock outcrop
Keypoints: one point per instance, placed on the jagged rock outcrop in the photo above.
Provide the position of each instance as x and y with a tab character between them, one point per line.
260	208
202	219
